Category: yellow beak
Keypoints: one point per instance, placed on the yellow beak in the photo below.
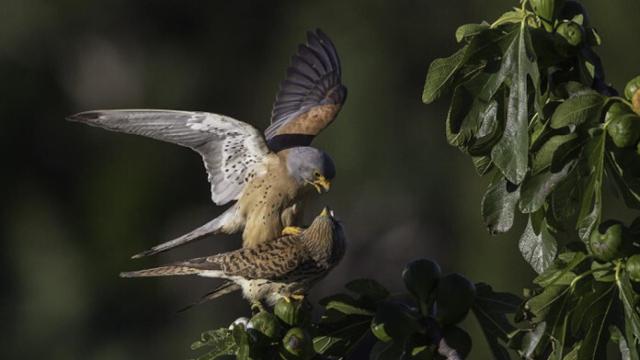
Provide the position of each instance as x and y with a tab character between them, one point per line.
325	211
321	184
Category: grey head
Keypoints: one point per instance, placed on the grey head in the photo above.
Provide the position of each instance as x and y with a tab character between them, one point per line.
308	165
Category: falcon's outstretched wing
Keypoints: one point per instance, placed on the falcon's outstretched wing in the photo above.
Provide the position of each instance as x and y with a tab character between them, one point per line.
230	148
310	97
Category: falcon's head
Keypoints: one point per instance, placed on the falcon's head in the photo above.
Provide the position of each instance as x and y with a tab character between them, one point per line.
325	237
310	166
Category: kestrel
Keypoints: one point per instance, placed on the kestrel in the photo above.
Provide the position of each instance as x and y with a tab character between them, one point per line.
268	176
287	266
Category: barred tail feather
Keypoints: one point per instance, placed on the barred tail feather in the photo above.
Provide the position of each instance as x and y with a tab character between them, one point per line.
171	270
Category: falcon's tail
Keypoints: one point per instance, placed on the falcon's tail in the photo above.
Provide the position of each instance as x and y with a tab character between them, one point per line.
225	223
224	289
170	270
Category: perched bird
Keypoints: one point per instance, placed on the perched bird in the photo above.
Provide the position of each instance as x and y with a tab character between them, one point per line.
287	266
269	176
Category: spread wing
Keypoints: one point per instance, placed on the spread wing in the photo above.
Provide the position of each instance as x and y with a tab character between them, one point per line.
310	97
231	149
271	260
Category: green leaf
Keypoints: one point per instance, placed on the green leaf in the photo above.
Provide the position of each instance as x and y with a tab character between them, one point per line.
490	308
220	341
560	273
469	30
542	304
629	300
440	75
577	110
338	339
488	131
591	203
368	289
511	153
532	339
594	344
482	164
536	189
626	352
515	16
628	184
496	302
542	158
539	248
499	204
347	308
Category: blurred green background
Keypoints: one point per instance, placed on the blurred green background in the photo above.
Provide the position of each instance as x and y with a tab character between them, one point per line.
78	201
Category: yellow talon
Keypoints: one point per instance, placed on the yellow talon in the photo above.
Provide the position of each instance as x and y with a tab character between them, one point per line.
292	230
297	297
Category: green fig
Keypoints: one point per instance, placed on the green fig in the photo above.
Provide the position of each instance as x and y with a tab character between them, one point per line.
458	340
454	296
297	344
633	267
605	242
623	126
292	312
571	32
420	278
265	323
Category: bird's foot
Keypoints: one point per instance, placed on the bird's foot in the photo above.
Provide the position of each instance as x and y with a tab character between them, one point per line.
296	297
257	307
292	230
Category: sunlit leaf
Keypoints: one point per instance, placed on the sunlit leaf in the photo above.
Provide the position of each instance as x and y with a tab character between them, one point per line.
538	249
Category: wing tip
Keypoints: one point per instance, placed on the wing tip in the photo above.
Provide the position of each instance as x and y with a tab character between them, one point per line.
85	116
127	274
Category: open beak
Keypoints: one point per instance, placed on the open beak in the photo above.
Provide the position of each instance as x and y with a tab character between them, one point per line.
321	184
327	212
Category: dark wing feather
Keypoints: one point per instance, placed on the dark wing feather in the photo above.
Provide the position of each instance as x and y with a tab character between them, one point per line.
310	97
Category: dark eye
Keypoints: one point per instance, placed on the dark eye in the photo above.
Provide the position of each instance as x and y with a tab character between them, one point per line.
316	173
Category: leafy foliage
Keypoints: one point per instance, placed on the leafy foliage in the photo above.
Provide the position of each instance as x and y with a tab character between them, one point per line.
533	111
419	324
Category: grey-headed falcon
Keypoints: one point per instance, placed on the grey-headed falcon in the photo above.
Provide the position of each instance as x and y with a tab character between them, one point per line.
283	267
267	177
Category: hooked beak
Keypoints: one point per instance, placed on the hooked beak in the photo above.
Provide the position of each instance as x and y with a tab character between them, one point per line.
327	212
321	184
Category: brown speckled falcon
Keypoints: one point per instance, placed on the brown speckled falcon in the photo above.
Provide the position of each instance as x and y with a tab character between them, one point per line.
267	179
283	267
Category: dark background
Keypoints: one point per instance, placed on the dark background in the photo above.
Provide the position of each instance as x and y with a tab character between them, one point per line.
78	201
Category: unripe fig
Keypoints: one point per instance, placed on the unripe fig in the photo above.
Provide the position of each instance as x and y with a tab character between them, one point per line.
420	278
632	87
632	93
265	323
623	125
571	32
297	344
454	296
633	267
605	242
458	340
292	312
